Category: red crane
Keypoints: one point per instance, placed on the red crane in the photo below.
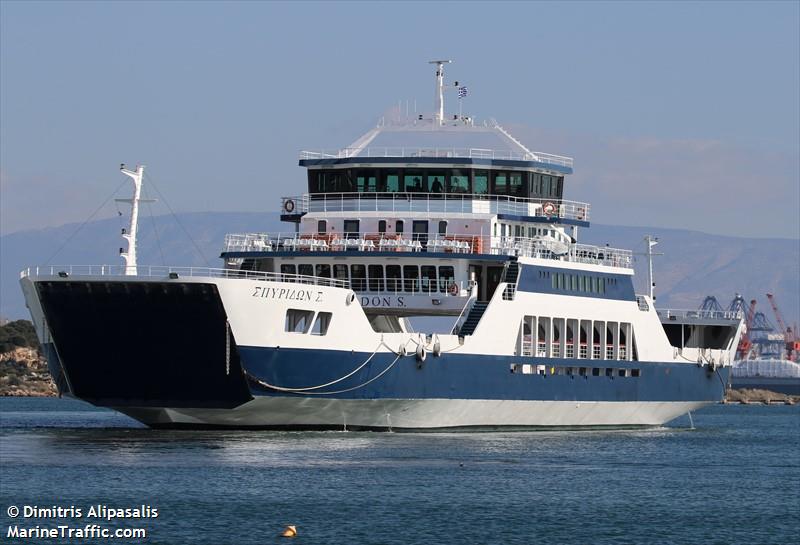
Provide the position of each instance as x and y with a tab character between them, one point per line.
789	338
745	344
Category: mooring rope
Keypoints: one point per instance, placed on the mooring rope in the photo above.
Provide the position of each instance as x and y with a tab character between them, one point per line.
320	386
305	392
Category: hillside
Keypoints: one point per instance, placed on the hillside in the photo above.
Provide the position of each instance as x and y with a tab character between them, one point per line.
694	265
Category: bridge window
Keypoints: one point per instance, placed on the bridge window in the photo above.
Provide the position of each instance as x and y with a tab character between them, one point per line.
390	181
447	276
413	181
459	182
375	277
366	181
480	182
358	277
436	180
500	183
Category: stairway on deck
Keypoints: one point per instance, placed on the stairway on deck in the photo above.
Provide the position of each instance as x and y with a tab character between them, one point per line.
511	276
474	316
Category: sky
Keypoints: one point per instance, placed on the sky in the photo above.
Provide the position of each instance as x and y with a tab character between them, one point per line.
678	114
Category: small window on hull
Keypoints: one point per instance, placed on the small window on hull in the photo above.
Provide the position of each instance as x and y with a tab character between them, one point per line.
321	324
298	321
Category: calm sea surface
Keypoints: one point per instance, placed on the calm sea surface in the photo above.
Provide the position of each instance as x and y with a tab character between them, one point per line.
735	478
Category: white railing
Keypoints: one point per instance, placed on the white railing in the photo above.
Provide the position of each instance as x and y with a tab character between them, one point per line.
538	247
118	272
443	152
453	203
667	314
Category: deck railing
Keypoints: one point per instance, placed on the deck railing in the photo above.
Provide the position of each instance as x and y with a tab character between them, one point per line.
118	273
538	247
667	313
443	152
450	203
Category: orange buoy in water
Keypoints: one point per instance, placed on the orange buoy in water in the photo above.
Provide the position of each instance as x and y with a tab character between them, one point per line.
290	531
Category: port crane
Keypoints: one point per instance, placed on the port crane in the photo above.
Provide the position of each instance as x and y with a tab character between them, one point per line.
790	340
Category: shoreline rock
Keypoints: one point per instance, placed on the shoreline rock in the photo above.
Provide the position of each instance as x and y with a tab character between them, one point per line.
747	396
23	372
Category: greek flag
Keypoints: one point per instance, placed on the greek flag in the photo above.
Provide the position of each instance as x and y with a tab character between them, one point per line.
462	92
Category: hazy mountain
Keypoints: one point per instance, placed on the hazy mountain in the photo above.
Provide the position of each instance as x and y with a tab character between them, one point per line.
694	265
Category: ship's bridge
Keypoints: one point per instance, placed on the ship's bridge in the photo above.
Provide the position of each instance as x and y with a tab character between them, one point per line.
416	165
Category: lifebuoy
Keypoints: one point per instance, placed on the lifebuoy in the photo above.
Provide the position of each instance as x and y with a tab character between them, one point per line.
548	209
453	289
288	206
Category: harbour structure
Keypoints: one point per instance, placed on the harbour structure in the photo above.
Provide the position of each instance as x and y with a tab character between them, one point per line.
426	215
766	356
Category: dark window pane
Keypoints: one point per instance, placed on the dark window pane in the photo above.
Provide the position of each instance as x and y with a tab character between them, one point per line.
287	269
436	179
413	181
428	278
411	277
340	272
447	276
375	277
351	228
515	185
366	181
393	278
442	227
382	226
358	277
305	269
322	227
390	182
500	183
398	227
324	271
480	182
459	181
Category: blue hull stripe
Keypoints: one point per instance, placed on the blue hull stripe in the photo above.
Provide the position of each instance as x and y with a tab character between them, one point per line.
455	376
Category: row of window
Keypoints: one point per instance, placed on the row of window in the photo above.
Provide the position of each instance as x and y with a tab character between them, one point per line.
578	282
547	337
302	321
352	227
553	370
436	181
375	278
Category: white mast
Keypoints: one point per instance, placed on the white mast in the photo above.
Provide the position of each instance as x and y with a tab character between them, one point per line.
650	242
438	115
130	255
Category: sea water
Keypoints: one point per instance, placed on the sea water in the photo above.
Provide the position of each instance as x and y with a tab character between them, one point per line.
734	478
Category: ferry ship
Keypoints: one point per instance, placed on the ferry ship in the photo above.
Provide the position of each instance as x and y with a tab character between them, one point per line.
426	215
